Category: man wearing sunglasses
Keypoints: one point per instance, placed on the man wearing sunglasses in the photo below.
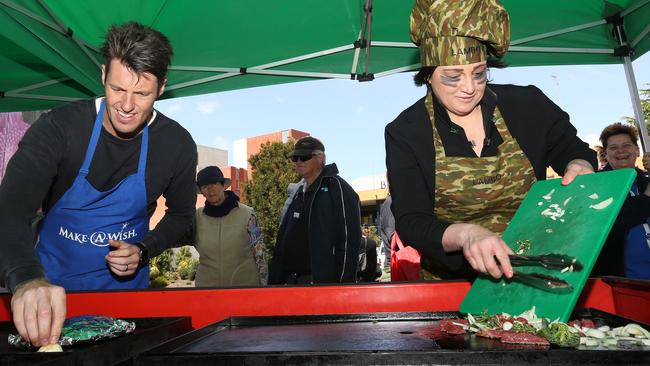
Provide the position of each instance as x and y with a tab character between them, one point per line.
320	232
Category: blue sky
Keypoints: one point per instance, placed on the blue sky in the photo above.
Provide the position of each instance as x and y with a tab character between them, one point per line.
349	117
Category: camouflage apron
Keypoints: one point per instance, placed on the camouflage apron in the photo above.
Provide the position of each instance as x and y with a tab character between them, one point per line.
480	190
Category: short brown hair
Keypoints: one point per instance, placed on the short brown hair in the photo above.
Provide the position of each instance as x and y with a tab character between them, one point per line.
619	128
140	48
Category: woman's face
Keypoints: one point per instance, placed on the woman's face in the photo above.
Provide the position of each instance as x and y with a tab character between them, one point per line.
460	87
621	151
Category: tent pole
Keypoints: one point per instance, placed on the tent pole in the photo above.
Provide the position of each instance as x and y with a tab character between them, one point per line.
636	103
625	52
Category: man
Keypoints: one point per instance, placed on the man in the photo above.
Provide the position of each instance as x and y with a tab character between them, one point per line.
96	168
319	236
368	268
627	249
386	228
227	236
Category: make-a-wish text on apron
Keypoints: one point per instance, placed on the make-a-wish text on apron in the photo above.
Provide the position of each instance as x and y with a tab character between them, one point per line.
73	236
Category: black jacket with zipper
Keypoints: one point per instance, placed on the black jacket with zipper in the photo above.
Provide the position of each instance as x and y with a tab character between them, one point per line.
334	228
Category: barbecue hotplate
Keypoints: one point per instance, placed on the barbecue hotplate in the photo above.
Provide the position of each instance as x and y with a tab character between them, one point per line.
148	333
384	338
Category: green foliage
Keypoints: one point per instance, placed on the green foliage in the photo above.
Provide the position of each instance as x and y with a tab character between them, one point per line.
161	269
267	189
167	267
187	269
186	266
645	107
163	263
158	282
183	254
373	234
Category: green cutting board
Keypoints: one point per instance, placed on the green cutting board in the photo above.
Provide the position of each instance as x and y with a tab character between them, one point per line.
573	220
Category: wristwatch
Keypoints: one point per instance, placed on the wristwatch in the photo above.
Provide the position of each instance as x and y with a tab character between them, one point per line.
144	252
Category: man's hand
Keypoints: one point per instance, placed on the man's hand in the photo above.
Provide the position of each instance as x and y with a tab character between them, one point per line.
575	168
39	309
125	259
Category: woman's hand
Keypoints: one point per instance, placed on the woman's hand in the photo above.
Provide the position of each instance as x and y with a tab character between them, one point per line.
483	249
575	168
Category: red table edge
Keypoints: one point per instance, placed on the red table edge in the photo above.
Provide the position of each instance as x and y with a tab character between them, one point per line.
207	306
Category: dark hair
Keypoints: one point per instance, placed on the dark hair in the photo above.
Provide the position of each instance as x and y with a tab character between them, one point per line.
141	48
618	128
424	74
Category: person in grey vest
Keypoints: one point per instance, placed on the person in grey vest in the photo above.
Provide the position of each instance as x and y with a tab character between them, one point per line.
227	236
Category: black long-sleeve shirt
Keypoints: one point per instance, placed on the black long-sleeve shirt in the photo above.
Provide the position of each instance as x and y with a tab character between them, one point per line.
48	160
541	128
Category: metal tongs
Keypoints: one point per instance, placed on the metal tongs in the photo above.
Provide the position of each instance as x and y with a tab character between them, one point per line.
549	261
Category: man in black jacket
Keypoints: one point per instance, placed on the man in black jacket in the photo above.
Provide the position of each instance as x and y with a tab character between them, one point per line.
96	168
319	236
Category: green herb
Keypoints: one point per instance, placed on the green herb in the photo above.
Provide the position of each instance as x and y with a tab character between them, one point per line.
487	321
560	334
521	327
524	246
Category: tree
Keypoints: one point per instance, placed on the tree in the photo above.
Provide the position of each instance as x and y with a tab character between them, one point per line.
267	189
645	107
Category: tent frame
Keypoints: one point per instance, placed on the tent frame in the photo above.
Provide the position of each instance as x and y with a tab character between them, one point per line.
363	42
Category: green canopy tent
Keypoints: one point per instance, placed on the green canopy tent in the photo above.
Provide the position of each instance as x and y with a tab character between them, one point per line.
49	48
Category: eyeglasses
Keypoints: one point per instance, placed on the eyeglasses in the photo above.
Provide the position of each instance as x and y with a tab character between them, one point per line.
295	158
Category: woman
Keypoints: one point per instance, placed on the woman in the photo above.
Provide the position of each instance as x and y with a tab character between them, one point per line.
627	249
461	159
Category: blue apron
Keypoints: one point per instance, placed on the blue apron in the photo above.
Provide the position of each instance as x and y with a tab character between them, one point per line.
73	237
637	248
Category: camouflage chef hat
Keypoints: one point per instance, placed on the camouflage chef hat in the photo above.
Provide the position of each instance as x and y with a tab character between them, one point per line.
458	32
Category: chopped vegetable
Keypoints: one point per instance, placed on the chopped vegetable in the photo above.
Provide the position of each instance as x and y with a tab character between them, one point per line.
560	334
603	204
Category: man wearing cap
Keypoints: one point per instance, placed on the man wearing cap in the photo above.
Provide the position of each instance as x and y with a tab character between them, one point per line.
227	236
320	232
461	159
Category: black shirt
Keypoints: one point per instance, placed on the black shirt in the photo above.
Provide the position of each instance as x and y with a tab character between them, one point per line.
453	136
295	237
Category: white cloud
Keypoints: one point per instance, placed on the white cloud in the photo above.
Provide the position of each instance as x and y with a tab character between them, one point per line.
207	107
220	142
173	108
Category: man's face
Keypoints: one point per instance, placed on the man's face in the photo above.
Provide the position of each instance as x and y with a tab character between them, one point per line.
129	99
621	151
214	193
309	166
